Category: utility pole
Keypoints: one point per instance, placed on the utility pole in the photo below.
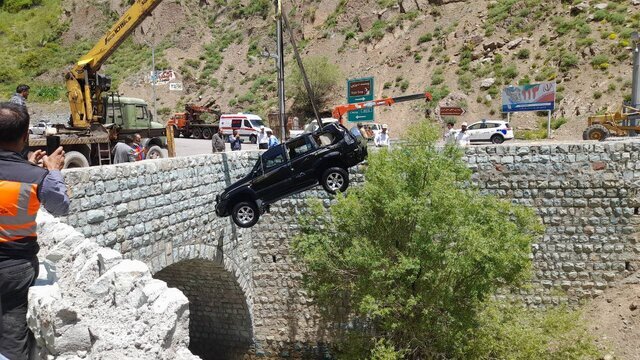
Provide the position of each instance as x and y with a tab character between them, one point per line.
153	79
635	85
280	60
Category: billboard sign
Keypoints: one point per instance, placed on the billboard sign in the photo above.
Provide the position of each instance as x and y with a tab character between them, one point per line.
531	97
359	90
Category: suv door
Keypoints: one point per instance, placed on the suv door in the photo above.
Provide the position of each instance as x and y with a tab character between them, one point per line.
475	131
302	158
276	174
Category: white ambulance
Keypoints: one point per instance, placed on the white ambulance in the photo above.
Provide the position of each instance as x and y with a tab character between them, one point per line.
248	125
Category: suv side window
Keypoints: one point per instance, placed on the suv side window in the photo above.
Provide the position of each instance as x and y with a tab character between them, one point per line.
299	147
475	126
236	123
273	157
492	125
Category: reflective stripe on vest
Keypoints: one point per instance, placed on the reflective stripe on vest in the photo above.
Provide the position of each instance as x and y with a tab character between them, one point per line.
19	205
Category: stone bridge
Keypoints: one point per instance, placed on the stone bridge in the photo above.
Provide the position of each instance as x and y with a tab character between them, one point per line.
243	286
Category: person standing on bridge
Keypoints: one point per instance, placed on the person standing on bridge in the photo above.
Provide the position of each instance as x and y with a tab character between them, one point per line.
382	139
263	139
21	95
235	141
273	140
123	152
217	141
462	137
24	186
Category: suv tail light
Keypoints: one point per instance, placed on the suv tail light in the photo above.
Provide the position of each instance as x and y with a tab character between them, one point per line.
508	126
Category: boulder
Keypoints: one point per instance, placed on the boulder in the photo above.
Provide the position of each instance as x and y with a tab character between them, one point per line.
365	23
492	45
514	43
579	9
487	83
601	6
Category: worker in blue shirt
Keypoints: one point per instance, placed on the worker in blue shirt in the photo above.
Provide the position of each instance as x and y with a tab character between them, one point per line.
24	187
273	140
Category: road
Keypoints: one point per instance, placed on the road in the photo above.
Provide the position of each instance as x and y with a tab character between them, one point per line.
188	147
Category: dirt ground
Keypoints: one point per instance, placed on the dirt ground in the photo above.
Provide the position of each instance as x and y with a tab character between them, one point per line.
615	320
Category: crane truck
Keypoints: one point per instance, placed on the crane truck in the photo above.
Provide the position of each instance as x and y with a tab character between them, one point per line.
189	123
100	118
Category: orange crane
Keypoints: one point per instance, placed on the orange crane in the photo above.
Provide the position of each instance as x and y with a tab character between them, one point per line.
340	110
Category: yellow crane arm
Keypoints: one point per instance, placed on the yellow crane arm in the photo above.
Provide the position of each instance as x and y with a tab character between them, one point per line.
83	83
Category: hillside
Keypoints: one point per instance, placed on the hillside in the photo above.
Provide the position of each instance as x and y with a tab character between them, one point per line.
461	51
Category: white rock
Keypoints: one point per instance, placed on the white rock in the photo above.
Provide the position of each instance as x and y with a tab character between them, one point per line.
601	6
487	83
107	259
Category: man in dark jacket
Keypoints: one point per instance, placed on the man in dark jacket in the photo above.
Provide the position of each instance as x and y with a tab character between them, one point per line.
21	95
24	186
217	142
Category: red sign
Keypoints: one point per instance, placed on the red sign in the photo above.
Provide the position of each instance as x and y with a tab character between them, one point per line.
451	110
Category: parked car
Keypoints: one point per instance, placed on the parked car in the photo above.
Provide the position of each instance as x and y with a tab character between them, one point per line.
321	157
494	131
40	128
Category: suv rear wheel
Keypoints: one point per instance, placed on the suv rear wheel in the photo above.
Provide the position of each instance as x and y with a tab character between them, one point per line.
245	214
335	180
497	139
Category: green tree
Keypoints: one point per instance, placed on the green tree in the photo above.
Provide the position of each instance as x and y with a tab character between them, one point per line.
408	259
323	77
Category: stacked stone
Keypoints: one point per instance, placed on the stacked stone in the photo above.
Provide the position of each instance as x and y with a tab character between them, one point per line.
91	303
585	194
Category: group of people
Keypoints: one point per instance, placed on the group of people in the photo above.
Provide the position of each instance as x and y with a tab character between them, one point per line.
381	139
265	140
457	137
131	150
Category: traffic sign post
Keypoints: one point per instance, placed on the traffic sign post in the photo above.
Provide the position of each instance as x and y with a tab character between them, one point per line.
360	90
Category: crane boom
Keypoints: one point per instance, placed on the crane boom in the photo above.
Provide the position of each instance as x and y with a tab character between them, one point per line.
84	84
340	110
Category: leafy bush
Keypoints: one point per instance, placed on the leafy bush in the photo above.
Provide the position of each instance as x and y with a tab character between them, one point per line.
13	6
410	257
600	61
323	76
523	54
377	31
425	38
437	77
510	331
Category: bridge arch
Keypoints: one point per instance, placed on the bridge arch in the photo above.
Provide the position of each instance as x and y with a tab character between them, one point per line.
220	321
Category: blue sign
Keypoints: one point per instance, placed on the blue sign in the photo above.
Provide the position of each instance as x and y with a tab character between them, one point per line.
360	90
532	97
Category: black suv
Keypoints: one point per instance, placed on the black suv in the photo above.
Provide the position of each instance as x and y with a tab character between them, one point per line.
299	164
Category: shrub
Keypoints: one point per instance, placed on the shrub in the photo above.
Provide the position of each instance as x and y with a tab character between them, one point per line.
425	38
597	95
567	60
600	61
404	85
323	77
410	257
13	6
437	77
523	54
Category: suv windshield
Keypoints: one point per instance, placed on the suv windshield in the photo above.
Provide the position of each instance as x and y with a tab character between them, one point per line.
256	123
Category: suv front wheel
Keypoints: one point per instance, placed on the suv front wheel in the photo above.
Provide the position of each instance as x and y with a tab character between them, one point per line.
335	180
245	214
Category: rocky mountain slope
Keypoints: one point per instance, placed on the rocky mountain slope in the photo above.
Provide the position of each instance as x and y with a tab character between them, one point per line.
464	52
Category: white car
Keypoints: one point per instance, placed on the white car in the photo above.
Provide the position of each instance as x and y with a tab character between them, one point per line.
494	131
40	128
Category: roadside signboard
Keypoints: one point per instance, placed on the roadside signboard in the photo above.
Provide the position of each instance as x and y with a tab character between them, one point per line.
359	90
175	86
532	97
451	111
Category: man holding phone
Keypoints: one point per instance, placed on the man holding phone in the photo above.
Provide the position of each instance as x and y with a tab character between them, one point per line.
24	186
